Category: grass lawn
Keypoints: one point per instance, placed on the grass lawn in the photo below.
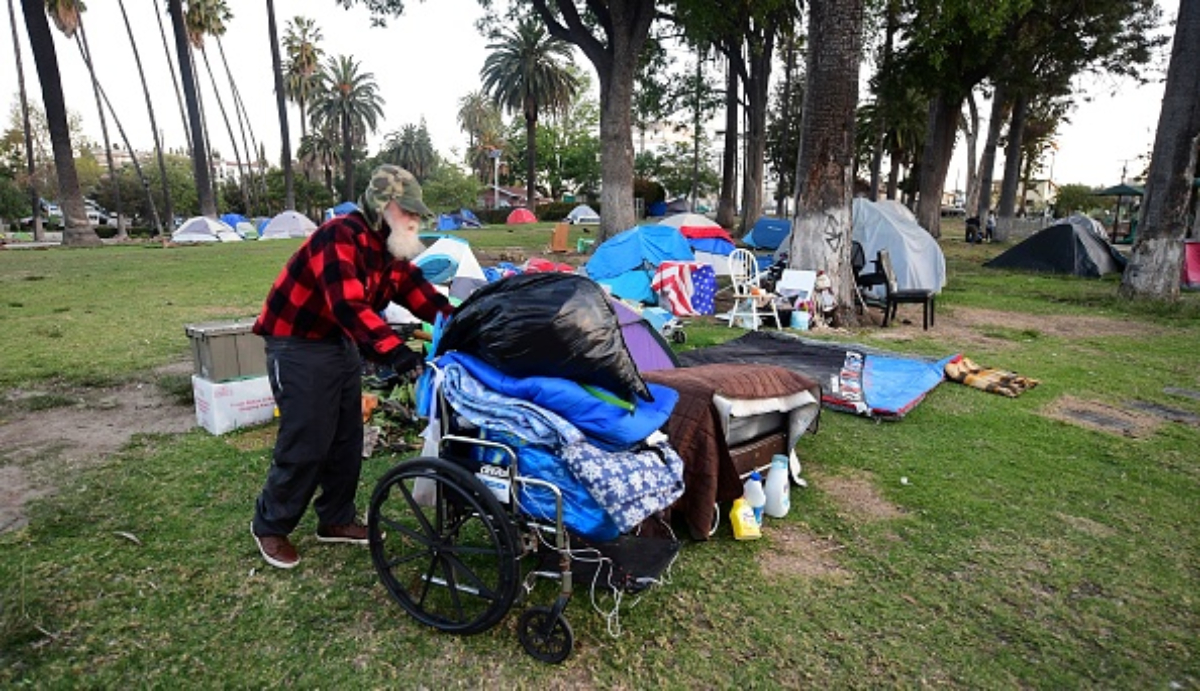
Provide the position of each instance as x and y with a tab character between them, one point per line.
1020	551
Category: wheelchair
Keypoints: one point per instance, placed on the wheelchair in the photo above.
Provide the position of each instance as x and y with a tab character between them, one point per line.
454	543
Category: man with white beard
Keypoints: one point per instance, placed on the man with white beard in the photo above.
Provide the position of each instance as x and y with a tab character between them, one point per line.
321	311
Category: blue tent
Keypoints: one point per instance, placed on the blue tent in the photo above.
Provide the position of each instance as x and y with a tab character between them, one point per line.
626	262
457	220
657	209
232	220
767	233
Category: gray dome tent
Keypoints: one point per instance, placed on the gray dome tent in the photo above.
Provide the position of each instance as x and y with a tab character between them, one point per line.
1063	248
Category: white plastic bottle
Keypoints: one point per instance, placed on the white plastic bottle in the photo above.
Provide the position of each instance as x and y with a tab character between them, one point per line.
755	495
778	491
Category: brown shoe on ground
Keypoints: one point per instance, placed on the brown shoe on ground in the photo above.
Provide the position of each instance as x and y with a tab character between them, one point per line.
276	550
351	533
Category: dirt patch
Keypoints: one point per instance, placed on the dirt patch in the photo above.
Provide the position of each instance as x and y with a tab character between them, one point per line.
857	496
37	448
794	551
1064	326
1101	417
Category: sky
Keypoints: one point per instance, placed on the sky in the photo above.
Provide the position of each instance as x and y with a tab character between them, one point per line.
428	59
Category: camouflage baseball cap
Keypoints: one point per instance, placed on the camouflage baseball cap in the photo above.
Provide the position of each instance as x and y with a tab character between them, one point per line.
390	182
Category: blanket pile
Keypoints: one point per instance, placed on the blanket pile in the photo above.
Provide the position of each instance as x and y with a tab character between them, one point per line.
1003	382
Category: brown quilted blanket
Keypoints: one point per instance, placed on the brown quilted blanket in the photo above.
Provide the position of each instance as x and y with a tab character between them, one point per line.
694	428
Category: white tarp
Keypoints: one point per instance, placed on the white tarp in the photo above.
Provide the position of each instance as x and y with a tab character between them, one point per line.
204	229
289	224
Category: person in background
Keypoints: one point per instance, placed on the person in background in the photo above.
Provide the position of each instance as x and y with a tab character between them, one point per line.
322	310
990	228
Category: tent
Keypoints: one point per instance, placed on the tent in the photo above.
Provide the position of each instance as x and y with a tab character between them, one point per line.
889	225
767	233
520	215
916	256
658	208
340	210
289	224
232	220
583	214
626	262
447	259
247	230
708	240
457	220
1190	271
678	205
645	344
1063	248
204	229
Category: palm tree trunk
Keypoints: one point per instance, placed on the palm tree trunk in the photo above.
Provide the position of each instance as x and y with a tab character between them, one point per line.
243	122
531	155
347	159
168	205
212	168
77	230
86	51
237	156
281	104
39	233
137	167
187	132
200	162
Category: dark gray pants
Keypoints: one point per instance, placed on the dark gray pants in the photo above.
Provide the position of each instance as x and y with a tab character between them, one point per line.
318	389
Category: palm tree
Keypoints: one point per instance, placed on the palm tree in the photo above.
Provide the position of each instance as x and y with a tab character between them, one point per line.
527	73
351	99
281	107
38	231
304	59
319	148
77	230
168	205
480	119
86	51
200	158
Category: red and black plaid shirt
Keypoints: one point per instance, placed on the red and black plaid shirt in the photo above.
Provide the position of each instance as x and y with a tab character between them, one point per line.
339	281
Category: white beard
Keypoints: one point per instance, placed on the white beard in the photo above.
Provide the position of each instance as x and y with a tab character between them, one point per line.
402	244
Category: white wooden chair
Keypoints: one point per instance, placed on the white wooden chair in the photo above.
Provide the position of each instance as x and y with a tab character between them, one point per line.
751	302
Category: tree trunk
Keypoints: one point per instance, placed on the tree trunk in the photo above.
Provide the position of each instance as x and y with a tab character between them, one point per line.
168	205
972	145
187	132
200	157
237	155
1153	269
86	51
137	167
531	155
347	159
77	231
935	160
987	163
625	24
208	145
727	205
1012	158
891	22
281	105
243	119
39	233
821	227
757	87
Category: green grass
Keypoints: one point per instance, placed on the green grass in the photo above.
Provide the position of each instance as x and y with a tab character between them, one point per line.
1029	552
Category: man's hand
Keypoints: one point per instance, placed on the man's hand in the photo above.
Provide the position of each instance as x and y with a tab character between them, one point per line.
406	362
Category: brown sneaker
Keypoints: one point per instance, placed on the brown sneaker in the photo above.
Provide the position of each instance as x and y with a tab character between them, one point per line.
351	533
277	550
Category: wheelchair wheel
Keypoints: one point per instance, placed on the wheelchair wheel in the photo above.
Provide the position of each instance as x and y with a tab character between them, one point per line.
544	636
443	546
679	336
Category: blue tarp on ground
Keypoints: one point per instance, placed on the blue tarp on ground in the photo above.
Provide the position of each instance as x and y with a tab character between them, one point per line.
870	381
767	233
626	262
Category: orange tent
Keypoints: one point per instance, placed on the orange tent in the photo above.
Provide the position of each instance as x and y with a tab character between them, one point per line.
521	215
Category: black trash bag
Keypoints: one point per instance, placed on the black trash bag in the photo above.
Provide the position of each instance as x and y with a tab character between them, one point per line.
546	325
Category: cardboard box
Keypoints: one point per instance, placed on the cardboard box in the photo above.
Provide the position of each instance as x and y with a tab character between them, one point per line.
223	351
225	406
